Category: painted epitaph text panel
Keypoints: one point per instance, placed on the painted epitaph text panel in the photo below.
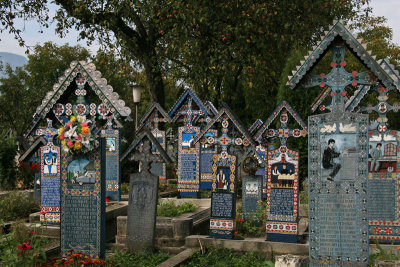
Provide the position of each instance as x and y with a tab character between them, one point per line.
188	162
113	168
282	195
384	187
50	184
223	196
338	155
83	205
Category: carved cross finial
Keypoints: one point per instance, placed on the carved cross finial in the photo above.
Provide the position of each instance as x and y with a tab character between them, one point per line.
49	132
145	155
335	82
110	122
189	114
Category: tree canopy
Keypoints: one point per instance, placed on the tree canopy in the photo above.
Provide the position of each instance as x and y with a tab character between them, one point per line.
217	48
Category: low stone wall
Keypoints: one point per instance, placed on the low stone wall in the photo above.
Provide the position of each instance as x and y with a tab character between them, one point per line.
247	245
380	263
170	232
28	192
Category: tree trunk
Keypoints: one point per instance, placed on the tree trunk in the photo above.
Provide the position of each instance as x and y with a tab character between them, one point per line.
154	78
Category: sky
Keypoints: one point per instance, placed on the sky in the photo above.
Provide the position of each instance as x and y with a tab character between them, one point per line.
386	8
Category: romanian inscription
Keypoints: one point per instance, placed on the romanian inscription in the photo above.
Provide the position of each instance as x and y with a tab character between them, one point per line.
206	162
222	205
382	200
80	213
188	167
50	192
339	231
282	201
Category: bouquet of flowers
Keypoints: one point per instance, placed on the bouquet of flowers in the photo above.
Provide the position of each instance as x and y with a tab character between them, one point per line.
76	135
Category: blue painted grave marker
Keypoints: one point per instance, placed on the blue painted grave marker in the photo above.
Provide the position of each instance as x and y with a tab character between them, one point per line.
113	168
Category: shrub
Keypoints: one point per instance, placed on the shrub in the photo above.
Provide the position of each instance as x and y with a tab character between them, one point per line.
141	259
170	209
22	247
26	174
227	257
8	151
124	188
254	225
17	205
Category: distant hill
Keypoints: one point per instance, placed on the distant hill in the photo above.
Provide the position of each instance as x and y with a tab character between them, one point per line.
13	59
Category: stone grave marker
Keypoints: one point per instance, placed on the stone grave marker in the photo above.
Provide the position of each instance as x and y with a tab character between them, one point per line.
282	176
384	155
112	138
338	153
223	196
251	186
188	152
143	194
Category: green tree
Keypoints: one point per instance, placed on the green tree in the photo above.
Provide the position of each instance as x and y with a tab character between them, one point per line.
229	47
8	151
22	90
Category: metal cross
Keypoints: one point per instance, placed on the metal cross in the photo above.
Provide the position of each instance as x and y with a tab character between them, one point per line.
189	113
336	81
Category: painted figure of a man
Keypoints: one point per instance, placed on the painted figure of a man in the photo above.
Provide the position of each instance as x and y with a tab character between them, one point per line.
376	153
327	159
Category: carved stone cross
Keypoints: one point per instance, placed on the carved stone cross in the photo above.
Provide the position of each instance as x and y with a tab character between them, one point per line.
145	156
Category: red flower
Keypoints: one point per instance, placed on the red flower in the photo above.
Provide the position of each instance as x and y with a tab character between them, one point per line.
24	246
32	233
108	198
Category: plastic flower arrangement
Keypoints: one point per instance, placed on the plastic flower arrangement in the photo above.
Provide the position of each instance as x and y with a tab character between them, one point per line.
76	136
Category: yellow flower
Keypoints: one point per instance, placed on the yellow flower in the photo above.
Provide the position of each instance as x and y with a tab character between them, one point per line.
77	145
73	119
61	131
64	143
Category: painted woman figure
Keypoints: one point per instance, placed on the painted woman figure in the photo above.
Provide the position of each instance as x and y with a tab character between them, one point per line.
275	175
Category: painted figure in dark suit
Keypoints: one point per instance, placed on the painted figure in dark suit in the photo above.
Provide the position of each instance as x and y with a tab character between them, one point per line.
327	159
